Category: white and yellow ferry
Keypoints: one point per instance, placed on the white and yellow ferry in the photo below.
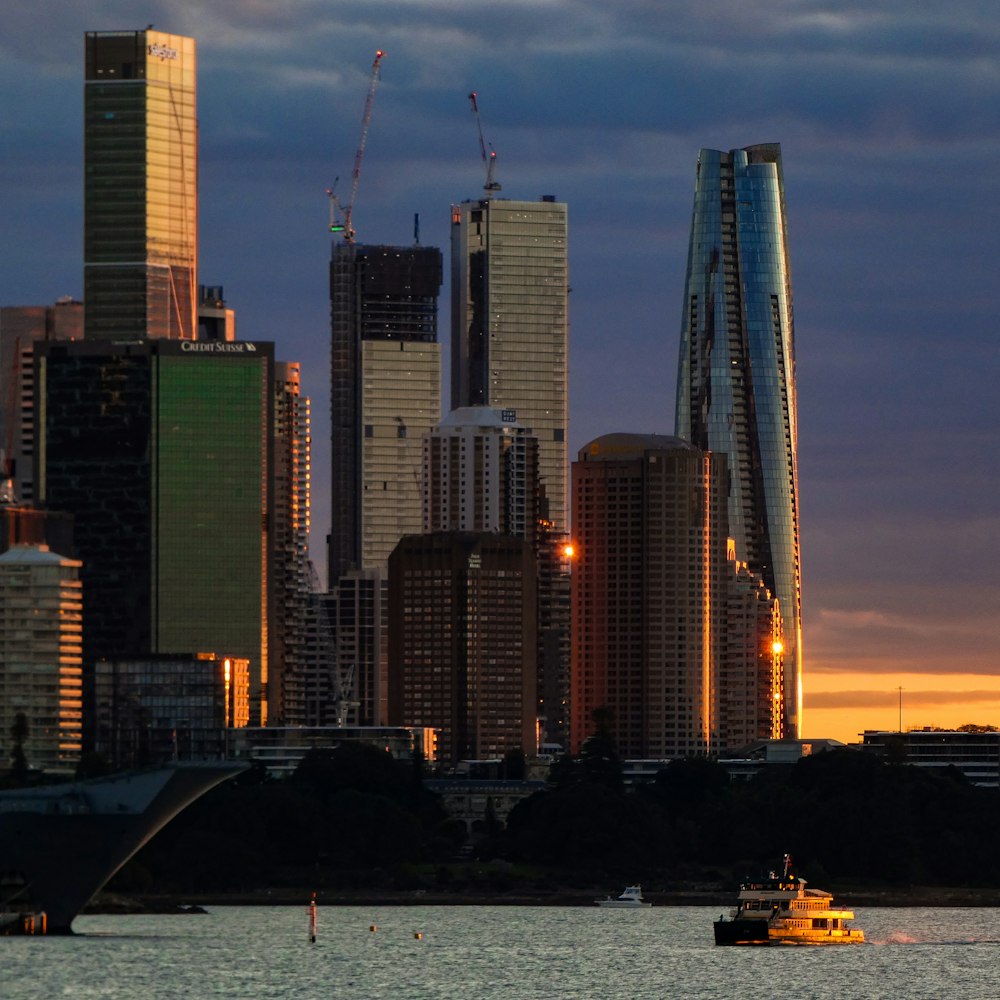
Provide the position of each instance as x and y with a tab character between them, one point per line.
781	910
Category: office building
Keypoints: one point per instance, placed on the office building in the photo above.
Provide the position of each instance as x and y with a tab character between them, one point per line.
385	392
21	327
972	750
161	451
736	372
462	635
649	594
510	326
154	709
140	243
358	608
41	621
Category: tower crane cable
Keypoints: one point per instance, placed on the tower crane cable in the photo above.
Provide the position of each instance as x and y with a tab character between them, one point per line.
490	157
337	210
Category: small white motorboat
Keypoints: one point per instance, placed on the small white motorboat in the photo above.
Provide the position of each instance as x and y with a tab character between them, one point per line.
630	899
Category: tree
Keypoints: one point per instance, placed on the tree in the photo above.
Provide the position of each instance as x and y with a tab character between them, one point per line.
18	760
599	760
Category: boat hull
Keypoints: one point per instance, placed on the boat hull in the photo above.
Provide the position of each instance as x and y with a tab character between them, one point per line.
759	932
62	843
743	932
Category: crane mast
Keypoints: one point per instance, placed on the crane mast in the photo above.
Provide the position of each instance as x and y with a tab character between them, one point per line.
490	157
339	212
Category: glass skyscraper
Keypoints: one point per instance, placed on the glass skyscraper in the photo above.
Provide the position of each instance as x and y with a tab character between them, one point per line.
162	453
736	372
140	186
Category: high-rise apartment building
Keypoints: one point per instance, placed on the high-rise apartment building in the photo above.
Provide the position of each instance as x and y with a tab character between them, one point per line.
21	327
750	674
480	473
385	392
291	572
649	594
510	325
41	616
736	374
462	634
140	245
161	451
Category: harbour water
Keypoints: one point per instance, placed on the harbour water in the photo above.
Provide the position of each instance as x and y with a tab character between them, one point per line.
486	952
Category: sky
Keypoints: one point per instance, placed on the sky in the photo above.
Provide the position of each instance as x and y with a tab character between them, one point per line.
887	112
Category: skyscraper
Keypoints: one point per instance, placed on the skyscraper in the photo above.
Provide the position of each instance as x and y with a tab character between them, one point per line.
510	325
649	594
385	391
480	473
291	572
140	243
162	453
21	327
736	373
462	635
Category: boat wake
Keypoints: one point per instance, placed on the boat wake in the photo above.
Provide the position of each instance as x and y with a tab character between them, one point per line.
900	937
896	937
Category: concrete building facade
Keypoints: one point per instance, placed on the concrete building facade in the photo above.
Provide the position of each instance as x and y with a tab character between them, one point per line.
41	657
648	595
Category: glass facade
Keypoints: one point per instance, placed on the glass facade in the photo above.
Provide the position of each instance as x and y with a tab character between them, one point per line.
211	505
140	186
510	325
736	372
161	453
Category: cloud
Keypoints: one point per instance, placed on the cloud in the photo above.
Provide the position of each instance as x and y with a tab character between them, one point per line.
865	699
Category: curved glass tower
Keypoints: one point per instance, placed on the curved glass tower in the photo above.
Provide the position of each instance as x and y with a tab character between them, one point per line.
736	372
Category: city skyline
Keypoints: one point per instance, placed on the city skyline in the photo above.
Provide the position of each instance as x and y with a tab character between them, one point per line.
886	129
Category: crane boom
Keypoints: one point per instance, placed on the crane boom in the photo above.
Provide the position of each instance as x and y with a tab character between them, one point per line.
490	158
347	226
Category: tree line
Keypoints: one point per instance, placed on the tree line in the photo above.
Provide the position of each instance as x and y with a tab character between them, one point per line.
354	817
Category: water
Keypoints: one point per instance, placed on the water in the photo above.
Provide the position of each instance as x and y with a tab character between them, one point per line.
484	952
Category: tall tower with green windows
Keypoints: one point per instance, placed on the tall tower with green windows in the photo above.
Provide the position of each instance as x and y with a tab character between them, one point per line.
162	452
140	246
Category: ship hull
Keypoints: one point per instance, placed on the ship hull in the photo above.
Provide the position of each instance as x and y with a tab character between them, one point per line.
64	842
747	932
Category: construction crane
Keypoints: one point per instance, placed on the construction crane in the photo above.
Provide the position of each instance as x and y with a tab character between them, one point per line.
341	217
490	158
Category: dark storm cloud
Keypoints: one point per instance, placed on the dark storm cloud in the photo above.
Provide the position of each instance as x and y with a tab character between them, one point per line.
888	119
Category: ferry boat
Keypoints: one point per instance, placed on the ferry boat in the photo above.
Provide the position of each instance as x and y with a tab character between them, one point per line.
630	899
781	910
60	844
